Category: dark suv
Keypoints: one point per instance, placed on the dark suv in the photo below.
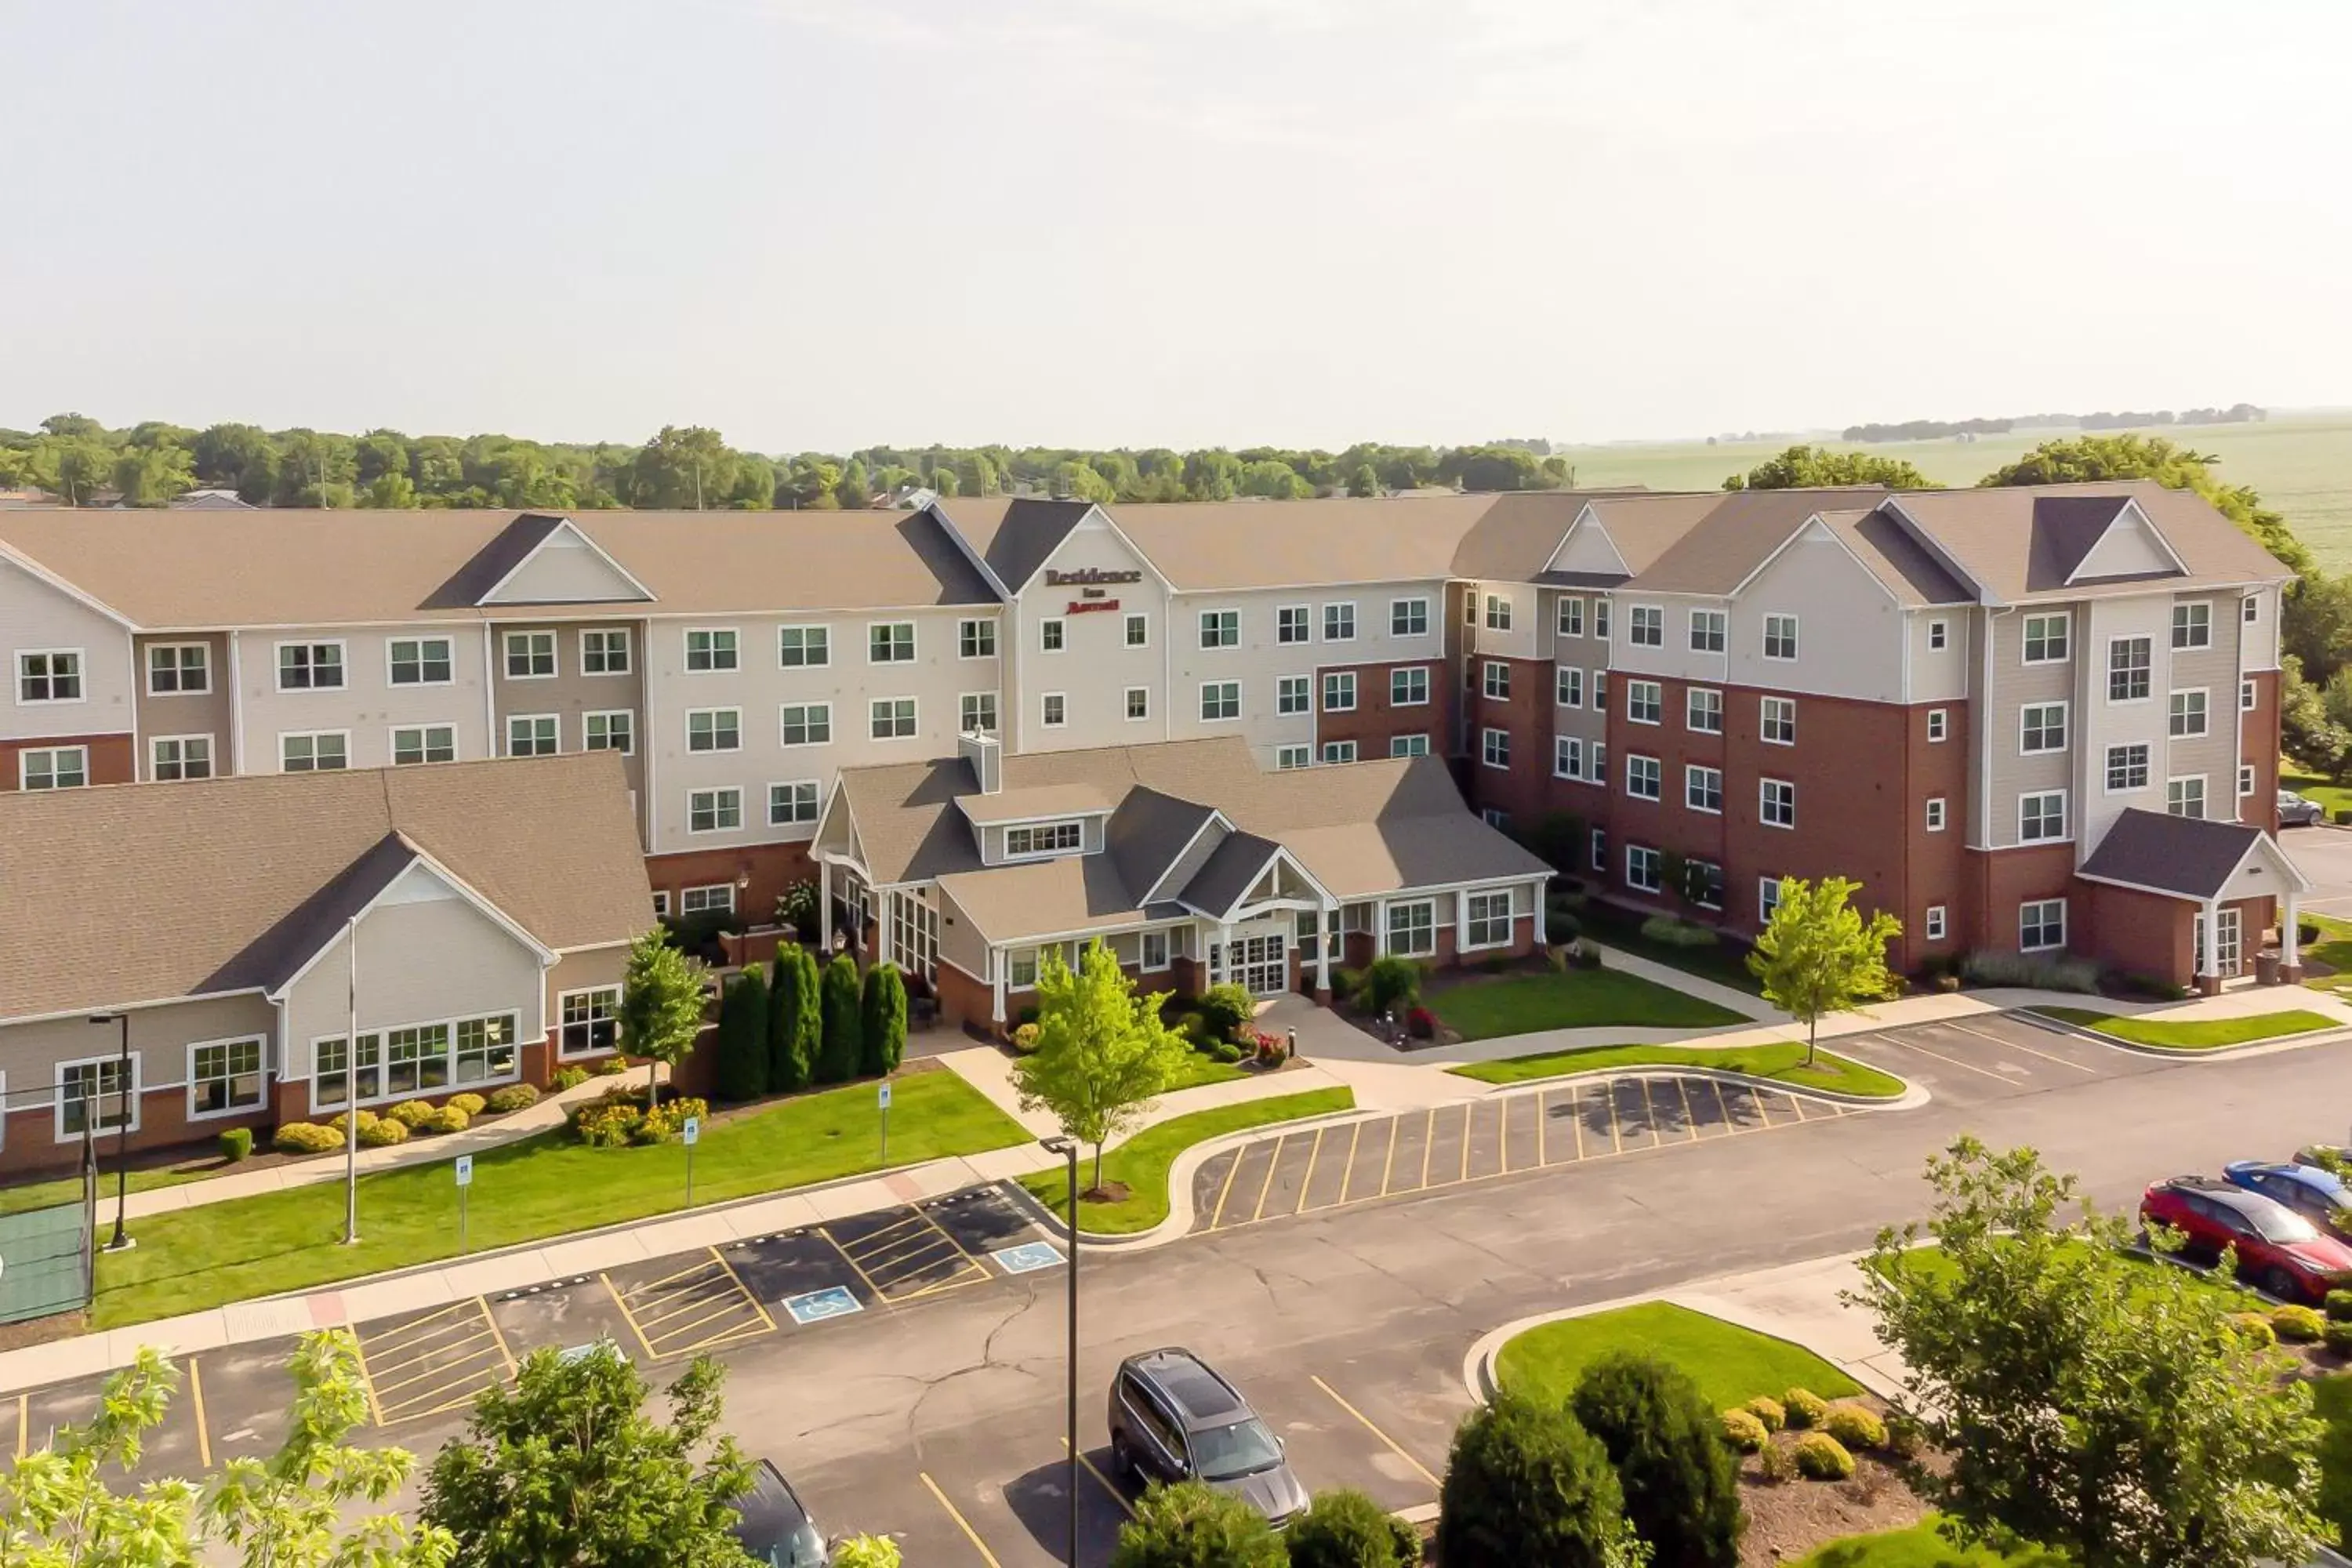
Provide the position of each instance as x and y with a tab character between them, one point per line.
1173	1419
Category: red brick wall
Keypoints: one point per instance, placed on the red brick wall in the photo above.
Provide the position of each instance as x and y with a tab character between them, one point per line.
1374	719
164	1123
1525	790
2258	731
2003	878
771	866
112	759
964	1000
2137	932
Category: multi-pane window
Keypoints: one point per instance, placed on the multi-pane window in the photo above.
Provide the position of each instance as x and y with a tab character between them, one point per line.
335	1075
1939	723
485	1048
1139	631
805	723
1567	757
1339	622
1596	762
418	661
604	652
974	639
310	666
1498	612
1568	686
2185	796
1935	918
714	810
2188	713
1409	745
2041	924
183	757
2192	625
53	767
590	1021
976	714
1776	802
1046	838
96	1096
1339	691
1288	757
1703	789
1495	748
1220	700
2246	778
1934	814
1409	686
1220	628
2046	638
1570	623
1497	675
1706	631
1139	702
890	718
181	666
788	803
1644	868
1053	635
224	1078
610	731
1292	694
715	899
1154	950
1645	701
890	642
1408	617
2128	662
532	735
2042	817
804	647
1703	883
1939	635
2128	766
712	649
1768	898
1053	710
1779	637
414	743
1339	750
2250	610
1601	623
1703	711
1293	623
1600	690
1486	919
1413	928
1778	726
1646	626
1643	777
531	655
2041	727
317	751
714	730
2246	692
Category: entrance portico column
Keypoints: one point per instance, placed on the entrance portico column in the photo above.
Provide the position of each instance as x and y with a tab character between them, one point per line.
999	960
825	906
2209	959
1327	929
2290	940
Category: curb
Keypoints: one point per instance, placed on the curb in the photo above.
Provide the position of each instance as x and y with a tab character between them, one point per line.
2296	1042
1912	1097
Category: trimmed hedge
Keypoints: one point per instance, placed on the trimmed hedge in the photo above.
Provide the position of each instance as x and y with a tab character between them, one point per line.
1743	1431
1855	1425
305	1138
448	1119
1769	1411
1823	1457
1681	1486
383	1132
411	1113
514	1096
236	1143
1805	1407
1345	1529
2297	1325
2254	1328
472	1104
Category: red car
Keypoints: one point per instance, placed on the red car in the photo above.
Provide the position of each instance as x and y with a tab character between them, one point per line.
2279	1249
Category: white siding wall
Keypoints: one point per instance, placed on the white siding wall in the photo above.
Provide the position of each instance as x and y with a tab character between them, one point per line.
35	615
367	705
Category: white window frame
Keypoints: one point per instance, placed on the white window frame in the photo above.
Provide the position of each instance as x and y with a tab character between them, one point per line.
811	713
1646	694
1494	743
1599	689
2247	693
1765	803
1568	686
1767	899
793	817
423	658
260	1043
1600	613
1133	622
970	632
2176	791
2107	767
2249	610
612	1018
155	760
1645	777
1287	758
424	733
1220	629
1783	710
1567	757
1645	626
1421	935
1414	678
890	630
2147	673
821	631
661	902
1568	619
713	728
529	640
1940	726
1939	634
2061	622
1414	745
1598	841
914	730
1224	690
1339	691
717	794
24	766
1053	710
1336	752
1144	957
1135	703
1652	876
1495	679
555	721
1471	920
717	897
1409	617
734	649
1936	921
2026	726
1293	694
2043	794
2189	632
2041	921
608	640
1339	620
1293	624
179	671
314	737
2245	780
80	675
1788	628
2177	710
1702	700
109	1060
1498	612
313	645
1695	782
968	721
629	720
1710	630
1938	814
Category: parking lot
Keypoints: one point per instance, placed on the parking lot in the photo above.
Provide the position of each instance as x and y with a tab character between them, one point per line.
1996	1055
1325	1167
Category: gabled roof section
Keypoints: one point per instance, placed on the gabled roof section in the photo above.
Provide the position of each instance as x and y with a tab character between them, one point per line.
1034	803
416	877
2127	545
1587	557
564	566
1149	833
1021	539
1231	869
2032	542
2179	857
1720	550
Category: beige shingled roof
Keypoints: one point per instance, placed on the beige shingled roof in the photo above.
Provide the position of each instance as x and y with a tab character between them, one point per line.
259	568
127	894
2004	537
1078	799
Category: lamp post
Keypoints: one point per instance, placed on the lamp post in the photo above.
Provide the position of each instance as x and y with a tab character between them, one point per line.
351	1085
1067	1148
121	1241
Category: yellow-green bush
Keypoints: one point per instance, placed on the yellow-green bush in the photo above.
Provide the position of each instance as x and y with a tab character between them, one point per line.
305	1138
1743	1431
1823	1457
1805	1407
382	1133
411	1113
1855	1425
470	1103
448	1119
1768	1410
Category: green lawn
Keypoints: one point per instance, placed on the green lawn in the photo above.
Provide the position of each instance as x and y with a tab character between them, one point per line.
1580	999
2331	1401
67	1189
1142	1162
2315	787
2333	949
1200	1068
1730	1365
2202	1035
1780	1061
543	1187
1920	1547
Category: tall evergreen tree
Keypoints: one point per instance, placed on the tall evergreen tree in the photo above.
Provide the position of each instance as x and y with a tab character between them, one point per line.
843	1052
882	1020
743	1036
795	1019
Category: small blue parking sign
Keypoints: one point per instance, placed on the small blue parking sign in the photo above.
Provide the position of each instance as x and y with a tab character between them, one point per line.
1028	1257
691	1129
816	1306
465	1169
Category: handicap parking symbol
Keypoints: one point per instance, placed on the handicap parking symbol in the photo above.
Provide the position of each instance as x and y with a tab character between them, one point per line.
816	1306
1027	1257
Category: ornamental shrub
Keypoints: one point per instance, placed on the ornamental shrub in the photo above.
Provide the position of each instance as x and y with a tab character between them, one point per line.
795	1019
570	1078
1855	1425
667	1120
1225	1051
842	1051
1192	1526
340	1121
514	1096
882	1021
305	1138
1777	1463
1680	1484
1525	1484
448	1119
410	1113
1768	1410
1823	1457
1345	1529
236	1143
1225	1008
2338	1336
1025	1038
613	1066
1743	1431
383	1133
1389	982
1805	1407
743	1036
471	1104
1421	1024
2297	1325
2339	1306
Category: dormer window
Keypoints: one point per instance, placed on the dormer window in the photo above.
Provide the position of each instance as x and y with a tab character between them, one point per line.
1043	838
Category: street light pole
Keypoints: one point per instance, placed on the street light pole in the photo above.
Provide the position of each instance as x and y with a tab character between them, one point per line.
352	1089
1069	1149
93	1105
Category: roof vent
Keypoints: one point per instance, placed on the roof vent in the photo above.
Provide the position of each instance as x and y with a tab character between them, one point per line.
985	753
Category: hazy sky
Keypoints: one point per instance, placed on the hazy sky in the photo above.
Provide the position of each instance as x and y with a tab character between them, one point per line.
820	223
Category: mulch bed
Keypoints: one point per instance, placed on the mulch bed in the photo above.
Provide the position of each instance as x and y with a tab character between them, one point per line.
1786	1520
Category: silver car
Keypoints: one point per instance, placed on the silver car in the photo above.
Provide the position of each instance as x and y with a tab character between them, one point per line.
1174	1419
2295	811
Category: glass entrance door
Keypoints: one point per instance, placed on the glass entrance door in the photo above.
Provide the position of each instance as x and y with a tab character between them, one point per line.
2226	947
1258	964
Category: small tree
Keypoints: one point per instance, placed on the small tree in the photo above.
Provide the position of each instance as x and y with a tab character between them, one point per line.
743	1036
838	1057
863	1552
1192	1525
661	1005
882	1020
1102	1052
1818	956
568	1467
1525	1484
2090	1403
1680	1484
1347	1530
795	1019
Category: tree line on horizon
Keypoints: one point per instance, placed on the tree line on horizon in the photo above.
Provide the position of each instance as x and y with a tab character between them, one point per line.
2129	420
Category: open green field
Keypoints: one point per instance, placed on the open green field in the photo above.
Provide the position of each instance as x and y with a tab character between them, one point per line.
2301	465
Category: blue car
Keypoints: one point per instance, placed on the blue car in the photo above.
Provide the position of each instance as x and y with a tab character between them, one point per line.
2309	1191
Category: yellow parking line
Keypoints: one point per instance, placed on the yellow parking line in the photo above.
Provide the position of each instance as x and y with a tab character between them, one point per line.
692	1301
23	1423
1217	1215
1267	1186
1543	1132
1722	1106
1575	1118
401	1339
745	1289
962	1523
1394	1447
1347	1171
1649	1113
931	1233
1307	1185
1388	1162
1681	1087
845	1258
197	1398
359	1353
1763	1113
1469	1114
1616	1139
450	1312
429	1373
503	1349
1428	1147
720	1309
970	1272
2015	1046
628	1317
650	1286
414	1405
1118	1496
1502	1130
457	1347
887	1238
